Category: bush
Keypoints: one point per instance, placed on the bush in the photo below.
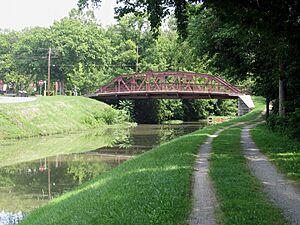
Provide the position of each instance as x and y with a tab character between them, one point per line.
108	116
288	125
294	123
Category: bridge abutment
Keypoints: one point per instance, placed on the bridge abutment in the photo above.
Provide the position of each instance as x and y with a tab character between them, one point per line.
245	104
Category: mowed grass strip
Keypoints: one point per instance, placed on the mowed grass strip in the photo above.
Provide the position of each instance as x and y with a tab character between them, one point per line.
281	150
239	193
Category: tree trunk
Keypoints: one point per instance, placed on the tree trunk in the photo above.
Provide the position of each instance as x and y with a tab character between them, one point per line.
281	107
267	107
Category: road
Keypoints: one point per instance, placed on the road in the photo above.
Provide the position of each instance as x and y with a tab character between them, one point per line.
16	99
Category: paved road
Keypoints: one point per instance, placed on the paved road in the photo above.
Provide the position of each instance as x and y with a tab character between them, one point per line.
16	99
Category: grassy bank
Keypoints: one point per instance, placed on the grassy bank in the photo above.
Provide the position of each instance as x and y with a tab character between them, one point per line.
52	115
239	193
153	188
282	151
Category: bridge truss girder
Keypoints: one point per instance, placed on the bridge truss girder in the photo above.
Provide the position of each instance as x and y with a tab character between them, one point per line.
171	85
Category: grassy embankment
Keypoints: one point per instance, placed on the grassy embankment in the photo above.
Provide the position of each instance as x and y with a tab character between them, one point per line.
53	115
282	151
239	193
153	188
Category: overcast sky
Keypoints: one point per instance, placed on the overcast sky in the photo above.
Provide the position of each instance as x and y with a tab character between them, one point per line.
18	14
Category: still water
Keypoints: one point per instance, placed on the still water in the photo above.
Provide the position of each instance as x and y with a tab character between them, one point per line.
35	170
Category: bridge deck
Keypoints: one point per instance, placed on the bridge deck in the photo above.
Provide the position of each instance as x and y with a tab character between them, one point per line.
164	95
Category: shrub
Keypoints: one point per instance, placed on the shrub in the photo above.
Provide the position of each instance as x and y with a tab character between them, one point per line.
288	125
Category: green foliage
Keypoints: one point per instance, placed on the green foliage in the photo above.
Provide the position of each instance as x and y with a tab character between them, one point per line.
239	193
130	39
128	108
225	107
81	170
170	110
282	151
82	51
187	110
195	109
287	125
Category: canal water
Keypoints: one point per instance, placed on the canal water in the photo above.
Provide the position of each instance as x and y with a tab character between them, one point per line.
35	170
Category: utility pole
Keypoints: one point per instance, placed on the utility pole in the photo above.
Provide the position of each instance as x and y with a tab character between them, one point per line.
49	66
49	180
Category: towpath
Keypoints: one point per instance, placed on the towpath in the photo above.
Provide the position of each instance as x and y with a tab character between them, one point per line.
283	193
204	200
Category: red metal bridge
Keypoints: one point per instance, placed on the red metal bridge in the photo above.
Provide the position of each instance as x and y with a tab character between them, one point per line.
167	85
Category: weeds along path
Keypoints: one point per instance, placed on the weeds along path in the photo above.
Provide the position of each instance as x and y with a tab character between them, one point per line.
285	195
204	200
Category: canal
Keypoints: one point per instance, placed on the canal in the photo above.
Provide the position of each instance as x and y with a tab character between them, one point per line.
36	170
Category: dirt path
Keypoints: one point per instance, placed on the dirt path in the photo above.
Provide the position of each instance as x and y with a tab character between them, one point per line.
285	195
204	200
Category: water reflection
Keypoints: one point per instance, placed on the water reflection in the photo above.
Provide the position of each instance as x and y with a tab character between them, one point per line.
40	169
16	151
31	184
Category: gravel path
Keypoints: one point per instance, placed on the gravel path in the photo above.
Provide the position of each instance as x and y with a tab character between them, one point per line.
284	194
16	99
204	200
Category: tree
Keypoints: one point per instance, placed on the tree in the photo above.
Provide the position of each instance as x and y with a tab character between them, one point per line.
130	38
275	20
6	60
30	53
82	51
156	11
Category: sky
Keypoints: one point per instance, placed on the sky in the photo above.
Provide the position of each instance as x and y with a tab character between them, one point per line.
18	14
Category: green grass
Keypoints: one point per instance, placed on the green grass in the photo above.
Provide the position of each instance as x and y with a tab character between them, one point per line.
53	115
239	193
282	151
153	188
